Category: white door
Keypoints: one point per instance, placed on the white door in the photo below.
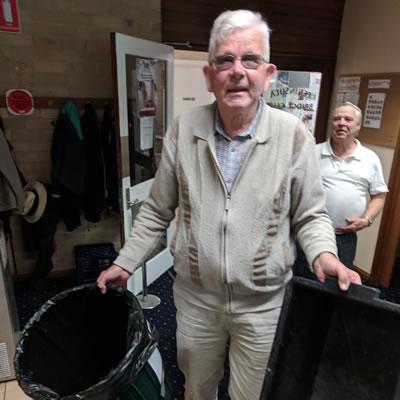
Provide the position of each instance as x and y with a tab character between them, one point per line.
189	84
143	82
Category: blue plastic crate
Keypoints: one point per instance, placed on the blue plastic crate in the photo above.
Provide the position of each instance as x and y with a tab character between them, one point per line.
91	259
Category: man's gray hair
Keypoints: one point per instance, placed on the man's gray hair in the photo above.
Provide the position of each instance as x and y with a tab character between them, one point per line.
356	108
230	21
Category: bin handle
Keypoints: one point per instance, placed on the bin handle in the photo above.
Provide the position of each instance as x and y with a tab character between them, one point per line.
360	292
357	292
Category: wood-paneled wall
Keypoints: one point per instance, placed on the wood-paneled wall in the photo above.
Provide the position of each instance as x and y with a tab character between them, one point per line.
305	34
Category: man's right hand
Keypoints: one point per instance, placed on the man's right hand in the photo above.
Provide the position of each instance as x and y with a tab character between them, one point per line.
327	264
113	274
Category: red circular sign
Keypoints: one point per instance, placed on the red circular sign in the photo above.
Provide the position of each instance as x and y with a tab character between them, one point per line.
19	102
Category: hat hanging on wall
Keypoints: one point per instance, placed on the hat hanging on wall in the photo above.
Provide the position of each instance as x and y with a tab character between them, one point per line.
35	201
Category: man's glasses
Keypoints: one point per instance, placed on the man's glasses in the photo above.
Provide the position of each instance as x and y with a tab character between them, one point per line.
226	61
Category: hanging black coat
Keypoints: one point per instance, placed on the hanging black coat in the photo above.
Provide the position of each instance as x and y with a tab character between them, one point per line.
109	146
68	170
94	194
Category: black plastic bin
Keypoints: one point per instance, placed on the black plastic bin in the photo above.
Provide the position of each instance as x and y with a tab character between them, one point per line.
332	345
85	345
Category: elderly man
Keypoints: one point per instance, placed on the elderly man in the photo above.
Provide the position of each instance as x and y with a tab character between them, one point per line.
245	179
352	178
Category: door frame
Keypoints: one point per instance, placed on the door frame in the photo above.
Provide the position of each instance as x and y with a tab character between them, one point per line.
121	46
389	231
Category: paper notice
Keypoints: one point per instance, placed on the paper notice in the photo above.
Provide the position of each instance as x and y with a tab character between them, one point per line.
349	84
379	84
374	110
146	133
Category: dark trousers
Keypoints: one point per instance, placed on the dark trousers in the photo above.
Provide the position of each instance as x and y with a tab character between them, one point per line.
301	267
346	244
39	236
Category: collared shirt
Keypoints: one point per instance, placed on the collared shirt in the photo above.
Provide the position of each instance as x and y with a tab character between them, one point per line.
349	182
231	151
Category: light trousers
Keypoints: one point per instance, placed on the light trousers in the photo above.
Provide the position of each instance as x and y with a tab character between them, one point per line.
202	337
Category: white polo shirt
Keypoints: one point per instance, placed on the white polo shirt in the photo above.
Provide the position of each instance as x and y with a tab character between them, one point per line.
348	183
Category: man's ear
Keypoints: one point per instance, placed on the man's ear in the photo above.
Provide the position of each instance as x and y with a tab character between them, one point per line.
207	71
358	127
269	73
358	130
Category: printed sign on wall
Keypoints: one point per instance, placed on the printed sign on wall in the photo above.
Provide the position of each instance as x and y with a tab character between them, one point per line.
296	92
301	102
19	102
9	16
374	110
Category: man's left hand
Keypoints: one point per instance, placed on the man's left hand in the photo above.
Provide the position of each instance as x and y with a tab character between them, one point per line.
326	264
353	225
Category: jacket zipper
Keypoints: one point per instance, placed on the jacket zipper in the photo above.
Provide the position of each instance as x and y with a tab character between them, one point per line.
224	239
225	250
228	196
226	217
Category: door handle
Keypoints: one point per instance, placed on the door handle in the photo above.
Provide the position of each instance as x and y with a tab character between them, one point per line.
133	203
133	209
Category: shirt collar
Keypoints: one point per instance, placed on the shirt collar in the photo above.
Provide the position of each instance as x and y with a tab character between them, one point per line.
327	150
249	131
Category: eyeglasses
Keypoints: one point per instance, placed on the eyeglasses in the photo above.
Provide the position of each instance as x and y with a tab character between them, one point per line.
226	61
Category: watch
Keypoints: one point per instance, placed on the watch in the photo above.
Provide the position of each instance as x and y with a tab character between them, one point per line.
369	219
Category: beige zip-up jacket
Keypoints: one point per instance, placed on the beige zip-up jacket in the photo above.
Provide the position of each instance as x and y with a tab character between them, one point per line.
234	251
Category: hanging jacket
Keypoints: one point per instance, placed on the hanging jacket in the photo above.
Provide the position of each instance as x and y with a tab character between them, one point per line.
109	148
11	190
68	169
71	112
68	156
94	192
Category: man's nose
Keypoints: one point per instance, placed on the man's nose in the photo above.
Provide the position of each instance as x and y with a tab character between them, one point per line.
237	67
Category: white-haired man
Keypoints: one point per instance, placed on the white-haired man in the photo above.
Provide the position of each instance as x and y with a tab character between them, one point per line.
245	180
353	180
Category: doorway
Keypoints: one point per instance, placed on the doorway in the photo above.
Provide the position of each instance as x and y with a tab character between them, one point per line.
143	82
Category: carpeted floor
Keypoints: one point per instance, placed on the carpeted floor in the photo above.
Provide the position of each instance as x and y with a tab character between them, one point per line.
163	318
30	299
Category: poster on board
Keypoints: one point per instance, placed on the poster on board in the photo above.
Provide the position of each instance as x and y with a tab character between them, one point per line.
379	84
348	90
374	110
296	92
146	88
349	84
301	102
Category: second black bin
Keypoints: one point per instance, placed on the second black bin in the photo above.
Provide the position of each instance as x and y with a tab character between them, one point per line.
332	345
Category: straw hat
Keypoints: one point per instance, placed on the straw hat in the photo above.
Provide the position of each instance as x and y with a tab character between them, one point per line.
35	201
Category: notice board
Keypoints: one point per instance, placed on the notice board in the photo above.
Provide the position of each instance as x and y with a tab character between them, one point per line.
378	96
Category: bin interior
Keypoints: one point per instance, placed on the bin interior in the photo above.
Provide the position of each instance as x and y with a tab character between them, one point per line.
330	346
77	341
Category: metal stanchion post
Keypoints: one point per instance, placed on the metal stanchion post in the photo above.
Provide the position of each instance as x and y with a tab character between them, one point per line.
147	301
